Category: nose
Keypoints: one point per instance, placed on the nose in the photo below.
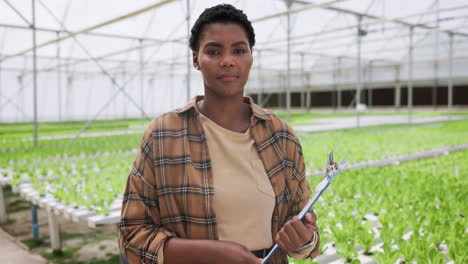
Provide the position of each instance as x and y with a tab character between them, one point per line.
227	60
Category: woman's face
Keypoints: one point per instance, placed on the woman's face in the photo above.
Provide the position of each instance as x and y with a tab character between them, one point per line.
224	58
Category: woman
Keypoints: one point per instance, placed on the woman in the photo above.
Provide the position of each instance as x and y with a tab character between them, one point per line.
219	180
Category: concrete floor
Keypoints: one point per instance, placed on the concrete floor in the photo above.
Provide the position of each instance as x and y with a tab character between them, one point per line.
13	252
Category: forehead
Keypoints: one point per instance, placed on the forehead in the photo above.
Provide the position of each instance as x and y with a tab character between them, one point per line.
223	32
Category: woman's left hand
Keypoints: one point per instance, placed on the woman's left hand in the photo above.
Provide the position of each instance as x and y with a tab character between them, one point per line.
295	233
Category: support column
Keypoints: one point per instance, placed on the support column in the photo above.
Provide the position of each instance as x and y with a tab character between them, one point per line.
3	205
59	80
450	79
142	102
151	92
410	76
124	80
288	81
34	72
68	102
54	230
303	89
189	53
35	224
369	85
334	85
360	33
436	58
397	88
339	87
1	90
260	80
308	92
280	94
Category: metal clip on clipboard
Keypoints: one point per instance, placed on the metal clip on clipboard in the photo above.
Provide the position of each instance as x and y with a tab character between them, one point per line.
331	171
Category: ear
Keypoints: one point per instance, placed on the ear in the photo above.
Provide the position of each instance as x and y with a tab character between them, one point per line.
196	65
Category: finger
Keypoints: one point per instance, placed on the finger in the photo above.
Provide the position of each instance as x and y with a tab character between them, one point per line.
304	233
259	261
283	240
293	236
281	244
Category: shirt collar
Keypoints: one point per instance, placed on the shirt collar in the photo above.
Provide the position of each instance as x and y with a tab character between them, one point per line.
257	111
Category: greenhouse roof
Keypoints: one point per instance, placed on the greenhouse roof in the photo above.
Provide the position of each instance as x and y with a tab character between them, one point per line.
115	31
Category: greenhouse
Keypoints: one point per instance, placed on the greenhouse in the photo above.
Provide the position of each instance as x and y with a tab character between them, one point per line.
384	83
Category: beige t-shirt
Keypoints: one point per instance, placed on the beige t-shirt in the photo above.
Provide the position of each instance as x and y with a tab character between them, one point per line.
244	199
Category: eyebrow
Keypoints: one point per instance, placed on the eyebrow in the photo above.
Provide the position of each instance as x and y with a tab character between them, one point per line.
216	44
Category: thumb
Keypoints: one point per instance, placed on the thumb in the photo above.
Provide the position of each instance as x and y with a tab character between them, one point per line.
310	219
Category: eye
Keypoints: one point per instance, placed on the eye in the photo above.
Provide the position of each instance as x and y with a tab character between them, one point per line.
213	52
239	51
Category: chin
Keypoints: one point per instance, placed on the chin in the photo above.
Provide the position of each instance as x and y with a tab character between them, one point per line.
227	91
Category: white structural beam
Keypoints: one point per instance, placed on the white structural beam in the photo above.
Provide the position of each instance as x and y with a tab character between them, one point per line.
94	34
91	28
18	13
295	10
397	20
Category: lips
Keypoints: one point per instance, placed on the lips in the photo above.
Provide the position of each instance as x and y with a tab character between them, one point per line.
228	77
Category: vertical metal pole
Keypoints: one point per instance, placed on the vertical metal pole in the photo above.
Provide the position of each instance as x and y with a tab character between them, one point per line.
308	92
338	92
59	81
260	80
358	72
151	96
302	82
369	84
35	225
397	88
3	212
450	79
436	58
142	102
334	92
288	59
0	89
68	100
410	77
189	64
124	77
171	75
34	71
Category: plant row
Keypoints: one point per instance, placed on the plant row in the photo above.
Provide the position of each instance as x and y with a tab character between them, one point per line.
420	207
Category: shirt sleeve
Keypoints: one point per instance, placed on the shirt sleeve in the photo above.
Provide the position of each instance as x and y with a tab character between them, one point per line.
141	236
301	197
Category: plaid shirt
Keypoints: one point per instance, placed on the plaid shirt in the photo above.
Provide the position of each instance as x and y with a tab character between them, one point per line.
169	192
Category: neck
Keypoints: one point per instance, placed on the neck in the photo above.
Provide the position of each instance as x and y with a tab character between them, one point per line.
228	112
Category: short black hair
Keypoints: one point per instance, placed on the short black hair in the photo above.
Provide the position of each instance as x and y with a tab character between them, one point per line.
224	13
